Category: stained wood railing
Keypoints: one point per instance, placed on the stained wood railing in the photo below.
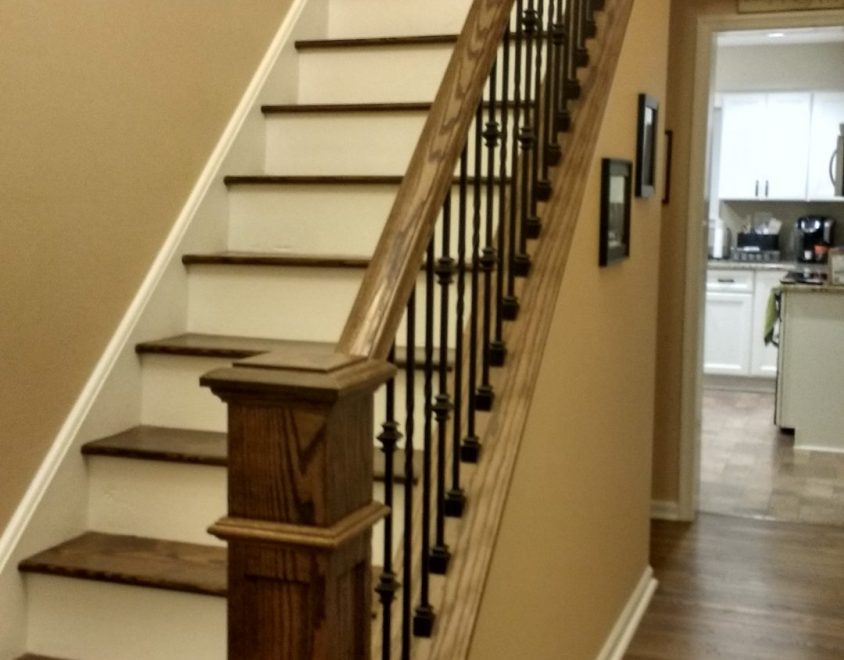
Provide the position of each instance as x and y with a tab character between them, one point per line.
301	427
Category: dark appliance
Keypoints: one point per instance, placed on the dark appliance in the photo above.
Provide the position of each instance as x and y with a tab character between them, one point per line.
751	246
813	236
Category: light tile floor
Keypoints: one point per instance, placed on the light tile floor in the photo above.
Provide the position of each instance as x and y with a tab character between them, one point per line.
750	468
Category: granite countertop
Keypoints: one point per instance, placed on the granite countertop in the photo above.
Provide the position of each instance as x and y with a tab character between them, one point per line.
813	288
728	264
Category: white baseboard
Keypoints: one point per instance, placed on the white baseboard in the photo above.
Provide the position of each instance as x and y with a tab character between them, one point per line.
665	510
64	440
625	626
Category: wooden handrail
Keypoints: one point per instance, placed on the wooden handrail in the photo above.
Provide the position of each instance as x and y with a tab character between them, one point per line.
391	276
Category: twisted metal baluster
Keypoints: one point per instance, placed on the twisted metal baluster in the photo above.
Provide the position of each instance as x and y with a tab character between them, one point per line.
388	585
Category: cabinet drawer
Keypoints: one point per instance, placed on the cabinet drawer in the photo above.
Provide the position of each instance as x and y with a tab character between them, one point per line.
730	281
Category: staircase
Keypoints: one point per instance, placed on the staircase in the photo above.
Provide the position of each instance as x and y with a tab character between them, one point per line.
148	581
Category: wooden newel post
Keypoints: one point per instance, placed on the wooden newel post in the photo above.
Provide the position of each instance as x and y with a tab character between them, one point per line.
301	512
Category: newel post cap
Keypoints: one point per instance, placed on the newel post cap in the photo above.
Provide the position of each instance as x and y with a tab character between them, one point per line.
281	375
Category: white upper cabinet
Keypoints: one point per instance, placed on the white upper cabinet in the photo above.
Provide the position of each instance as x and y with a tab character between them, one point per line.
765	145
827	116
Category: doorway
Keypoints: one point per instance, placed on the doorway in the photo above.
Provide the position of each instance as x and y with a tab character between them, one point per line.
734	460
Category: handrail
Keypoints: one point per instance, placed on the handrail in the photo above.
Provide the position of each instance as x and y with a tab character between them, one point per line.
376	313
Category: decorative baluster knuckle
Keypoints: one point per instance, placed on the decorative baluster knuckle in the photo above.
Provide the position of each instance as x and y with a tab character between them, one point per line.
530	22
492	134
445	270
488	259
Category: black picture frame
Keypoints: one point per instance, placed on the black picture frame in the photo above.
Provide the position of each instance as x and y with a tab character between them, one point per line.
646	140
616	184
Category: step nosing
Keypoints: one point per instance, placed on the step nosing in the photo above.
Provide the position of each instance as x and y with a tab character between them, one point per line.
376	42
303	108
270	259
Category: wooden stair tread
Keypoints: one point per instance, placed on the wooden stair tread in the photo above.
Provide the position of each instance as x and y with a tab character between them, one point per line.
369	42
275	259
157	443
33	656
324	180
316	108
237	348
136	561
172	445
292	108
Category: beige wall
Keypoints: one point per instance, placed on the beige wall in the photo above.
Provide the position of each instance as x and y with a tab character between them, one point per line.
574	541
673	325
108	112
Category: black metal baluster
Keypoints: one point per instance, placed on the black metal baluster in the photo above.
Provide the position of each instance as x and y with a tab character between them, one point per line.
440	556
471	447
455	502
510	303
485	395
562	118
590	27
571	87
543	186
497	348
407	567
581	53
533	224
527	140
388	585
423	617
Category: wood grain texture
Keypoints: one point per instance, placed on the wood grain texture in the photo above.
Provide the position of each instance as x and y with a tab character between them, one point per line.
378	308
273	259
374	42
135	561
741	588
488	487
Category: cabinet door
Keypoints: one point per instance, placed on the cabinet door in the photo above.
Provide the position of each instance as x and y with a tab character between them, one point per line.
787	160
763	359
827	116
726	344
743	146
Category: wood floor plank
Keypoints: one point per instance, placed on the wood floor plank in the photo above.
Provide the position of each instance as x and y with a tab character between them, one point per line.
743	588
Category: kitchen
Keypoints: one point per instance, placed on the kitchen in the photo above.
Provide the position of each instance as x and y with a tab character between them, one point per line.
777	120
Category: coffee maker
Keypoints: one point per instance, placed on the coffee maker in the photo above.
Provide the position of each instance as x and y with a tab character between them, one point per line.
813	236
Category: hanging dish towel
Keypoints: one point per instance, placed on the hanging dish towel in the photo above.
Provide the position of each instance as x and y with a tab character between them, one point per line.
772	317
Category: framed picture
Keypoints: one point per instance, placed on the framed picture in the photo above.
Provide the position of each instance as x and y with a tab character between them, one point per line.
614	242
669	155
646	146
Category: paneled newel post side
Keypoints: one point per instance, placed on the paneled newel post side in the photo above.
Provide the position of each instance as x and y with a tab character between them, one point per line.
300	504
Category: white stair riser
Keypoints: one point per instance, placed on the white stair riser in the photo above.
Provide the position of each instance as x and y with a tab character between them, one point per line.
342	143
173	501
376	18
372	74
317	220
268	301
172	396
179	501
74	618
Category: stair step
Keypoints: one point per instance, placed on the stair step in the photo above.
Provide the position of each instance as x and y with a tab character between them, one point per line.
370	42
326	180
269	259
238	348
137	561
156	443
339	108
32	656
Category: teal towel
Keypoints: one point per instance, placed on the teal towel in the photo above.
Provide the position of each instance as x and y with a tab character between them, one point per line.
772	316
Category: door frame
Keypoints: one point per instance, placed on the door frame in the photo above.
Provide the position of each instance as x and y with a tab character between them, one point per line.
707	29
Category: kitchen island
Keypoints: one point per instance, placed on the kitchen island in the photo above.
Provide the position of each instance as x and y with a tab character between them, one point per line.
810	377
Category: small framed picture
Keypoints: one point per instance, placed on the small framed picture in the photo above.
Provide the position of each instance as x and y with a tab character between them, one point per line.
614	242
646	146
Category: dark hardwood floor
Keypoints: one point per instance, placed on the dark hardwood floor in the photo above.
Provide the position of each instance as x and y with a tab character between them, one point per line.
737	588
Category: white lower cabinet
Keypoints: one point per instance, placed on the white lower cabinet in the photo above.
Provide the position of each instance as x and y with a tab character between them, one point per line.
736	303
